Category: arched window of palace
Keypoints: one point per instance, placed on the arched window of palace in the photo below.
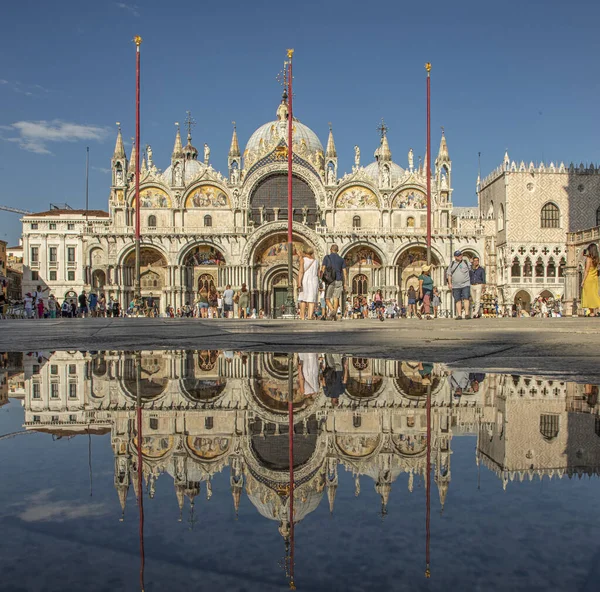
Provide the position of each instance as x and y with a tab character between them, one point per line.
539	268
356	222
561	267
410	222
207	220
598	217
549	426
501	218
515	270
152	221
551	269
550	216
360	285
268	201
527	268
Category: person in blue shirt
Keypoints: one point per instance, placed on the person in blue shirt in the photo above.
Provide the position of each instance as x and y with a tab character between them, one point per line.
477	286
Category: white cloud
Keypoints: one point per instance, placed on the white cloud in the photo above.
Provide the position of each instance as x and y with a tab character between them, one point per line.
132	8
33	136
101	170
39	508
28	90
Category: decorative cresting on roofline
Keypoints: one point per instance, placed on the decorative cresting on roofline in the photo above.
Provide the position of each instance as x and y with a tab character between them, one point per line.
270	228
299	170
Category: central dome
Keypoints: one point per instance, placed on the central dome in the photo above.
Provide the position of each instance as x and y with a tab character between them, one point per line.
305	142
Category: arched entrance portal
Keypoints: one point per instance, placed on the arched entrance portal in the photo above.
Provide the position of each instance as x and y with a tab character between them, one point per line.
201	268
522	301
409	265
271	273
153	278
364	264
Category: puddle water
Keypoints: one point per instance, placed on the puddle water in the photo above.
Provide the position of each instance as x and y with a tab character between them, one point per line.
165	470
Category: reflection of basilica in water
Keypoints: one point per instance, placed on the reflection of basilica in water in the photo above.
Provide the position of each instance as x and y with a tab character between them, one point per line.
205	411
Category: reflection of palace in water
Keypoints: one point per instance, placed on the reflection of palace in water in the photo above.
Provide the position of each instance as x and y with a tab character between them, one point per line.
207	411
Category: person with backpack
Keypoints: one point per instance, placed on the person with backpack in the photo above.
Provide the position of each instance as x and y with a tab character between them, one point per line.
459	282
334	273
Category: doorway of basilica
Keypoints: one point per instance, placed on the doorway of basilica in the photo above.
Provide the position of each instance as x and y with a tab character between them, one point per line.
153	276
271	273
201	267
409	264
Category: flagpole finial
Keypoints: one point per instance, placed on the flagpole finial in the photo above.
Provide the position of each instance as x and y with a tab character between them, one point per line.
290	53
137	40
428	67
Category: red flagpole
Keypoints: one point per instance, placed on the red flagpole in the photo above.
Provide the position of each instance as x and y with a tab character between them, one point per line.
428	163
289	305
138	41
428	492
291	462
140	475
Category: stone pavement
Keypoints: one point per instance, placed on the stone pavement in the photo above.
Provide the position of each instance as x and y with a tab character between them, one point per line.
567	347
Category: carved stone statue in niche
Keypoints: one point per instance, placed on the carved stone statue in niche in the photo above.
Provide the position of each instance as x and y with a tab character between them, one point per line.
411	160
206	154
356	156
119	177
178	175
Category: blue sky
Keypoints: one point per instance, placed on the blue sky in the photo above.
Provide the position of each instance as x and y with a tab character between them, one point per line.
516	75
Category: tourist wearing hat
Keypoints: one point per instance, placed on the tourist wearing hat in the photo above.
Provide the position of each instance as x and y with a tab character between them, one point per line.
426	289
459	282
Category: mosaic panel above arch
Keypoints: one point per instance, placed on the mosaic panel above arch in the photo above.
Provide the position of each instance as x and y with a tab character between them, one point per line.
275	250
152	197
356	197
204	255
410	199
361	256
357	446
208	448
207	196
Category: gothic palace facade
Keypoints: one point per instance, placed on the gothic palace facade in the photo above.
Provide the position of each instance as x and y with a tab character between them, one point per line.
201	227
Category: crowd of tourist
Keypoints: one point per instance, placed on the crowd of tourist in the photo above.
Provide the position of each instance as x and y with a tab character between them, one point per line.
322	295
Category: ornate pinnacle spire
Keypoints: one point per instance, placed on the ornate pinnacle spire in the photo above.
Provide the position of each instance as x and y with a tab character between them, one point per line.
443	153
234	149
122	491
119	148
383	153
189	151
133	157
331	491
177	148
331	151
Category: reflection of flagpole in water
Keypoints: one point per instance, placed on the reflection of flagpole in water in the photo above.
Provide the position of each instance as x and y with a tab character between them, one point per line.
90	458
140	471
291	461
428	487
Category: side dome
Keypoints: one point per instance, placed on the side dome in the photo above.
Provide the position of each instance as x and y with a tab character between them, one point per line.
397	173
192	169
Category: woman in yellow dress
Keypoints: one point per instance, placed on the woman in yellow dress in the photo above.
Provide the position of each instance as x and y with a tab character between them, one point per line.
590	297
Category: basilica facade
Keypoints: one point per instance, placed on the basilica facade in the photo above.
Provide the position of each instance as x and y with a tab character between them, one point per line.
200	227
